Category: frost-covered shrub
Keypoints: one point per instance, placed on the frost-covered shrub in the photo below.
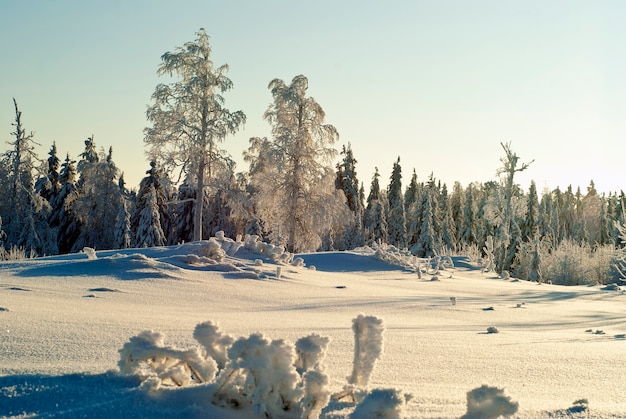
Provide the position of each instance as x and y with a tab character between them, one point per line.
299	262
570	263
212	249
90	252
215	342
489	402
253	244
146	357
310	351
316	393
270	377
380	403
262	372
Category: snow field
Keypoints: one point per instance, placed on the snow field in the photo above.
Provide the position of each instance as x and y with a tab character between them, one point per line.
68	317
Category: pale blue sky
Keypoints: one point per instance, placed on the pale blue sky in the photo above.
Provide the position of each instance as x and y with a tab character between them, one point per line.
438	83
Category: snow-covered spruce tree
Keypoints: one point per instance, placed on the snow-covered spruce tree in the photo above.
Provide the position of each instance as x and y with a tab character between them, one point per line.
347	181
448	225
427	244
457	200
188	118
123	233
149	231
410	198
467	234
529	225
97	205
375	217
567	211
292	173
48	186
219	215
183	214
153	179
20	162
63	215
396	219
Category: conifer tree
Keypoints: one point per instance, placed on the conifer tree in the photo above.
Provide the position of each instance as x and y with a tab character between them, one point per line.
375	218
21	164
347	181
123	233
468	227
149	232
48	186
448	226
97	205
529	225
410	196
153	179
396	219
427	244
457	200
63	213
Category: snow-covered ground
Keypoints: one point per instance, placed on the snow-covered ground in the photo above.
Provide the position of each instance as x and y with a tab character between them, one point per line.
63	320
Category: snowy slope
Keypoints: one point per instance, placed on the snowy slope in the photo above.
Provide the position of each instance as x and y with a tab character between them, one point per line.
63	320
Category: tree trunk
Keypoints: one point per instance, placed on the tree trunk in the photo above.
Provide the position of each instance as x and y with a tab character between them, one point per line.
197	219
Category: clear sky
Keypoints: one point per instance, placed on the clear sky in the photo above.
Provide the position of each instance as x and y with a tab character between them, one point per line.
439	83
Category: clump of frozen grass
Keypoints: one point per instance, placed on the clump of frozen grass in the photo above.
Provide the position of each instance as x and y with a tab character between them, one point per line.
16	253
381	403
271	377
368	346
489	402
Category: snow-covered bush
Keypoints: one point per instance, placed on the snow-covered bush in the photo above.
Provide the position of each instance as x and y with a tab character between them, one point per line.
253	244
381	403
489	402
270	377
570	263
212	249
90	252
215	343
310	351
261	372
146	357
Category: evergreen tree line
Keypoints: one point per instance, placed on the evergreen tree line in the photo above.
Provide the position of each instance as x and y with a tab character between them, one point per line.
55	206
